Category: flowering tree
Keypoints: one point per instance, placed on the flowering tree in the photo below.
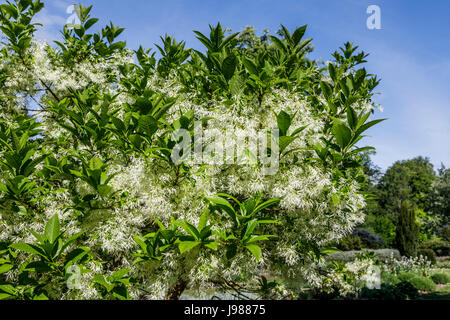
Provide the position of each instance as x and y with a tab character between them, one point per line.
98	199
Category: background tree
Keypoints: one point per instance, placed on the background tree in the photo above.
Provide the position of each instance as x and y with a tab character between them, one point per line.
408	180
406	231
440	195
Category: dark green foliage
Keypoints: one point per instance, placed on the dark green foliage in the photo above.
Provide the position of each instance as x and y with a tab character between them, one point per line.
407	289
440	196
414	182
400	291
408	180
439	246
350	242
440	278
445	232
382	226
407	231
423	284
428	254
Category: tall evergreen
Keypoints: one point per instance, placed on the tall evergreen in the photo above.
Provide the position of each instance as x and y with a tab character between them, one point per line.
407	231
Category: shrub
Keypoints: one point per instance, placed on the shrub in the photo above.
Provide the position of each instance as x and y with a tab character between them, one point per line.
406	276
389	278
422	283
400	291
350	242
443	264
438	245
440	278
383	255
445	232
428	254
407	289
368	239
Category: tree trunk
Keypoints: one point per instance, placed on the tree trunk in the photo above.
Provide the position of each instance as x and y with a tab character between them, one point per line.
177	289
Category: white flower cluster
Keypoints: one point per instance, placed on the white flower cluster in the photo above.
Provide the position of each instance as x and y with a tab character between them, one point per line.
353	277
417	265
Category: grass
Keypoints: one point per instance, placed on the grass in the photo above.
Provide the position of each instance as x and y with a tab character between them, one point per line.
443	291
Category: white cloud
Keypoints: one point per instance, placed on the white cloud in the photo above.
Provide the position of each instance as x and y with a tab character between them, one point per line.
52	24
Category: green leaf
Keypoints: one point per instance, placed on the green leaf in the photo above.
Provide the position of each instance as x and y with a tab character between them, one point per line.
332	71
100	279
255	250
352	117
119	274
5	268
266	204
250	67
184	246
104	190
95	164
203	220
27	248
120	126
52	229
90	23
40	238
224	205
298	130
328	250
148	124
141	242
70	240
212	245
189	228
336	199
260	238
42	296
298	34
8	289
327	90
344	87
367	125
229	66
231	251
237	85
360	150
11	10
284	122
136	140
342	134
285	141
5	296
251	225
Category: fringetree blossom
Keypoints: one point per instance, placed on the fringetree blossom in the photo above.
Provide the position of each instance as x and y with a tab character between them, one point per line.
92	204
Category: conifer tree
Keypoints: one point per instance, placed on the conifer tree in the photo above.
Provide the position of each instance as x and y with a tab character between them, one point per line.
407	231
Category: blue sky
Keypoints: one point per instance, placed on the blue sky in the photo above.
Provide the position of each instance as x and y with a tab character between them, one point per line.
410	53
